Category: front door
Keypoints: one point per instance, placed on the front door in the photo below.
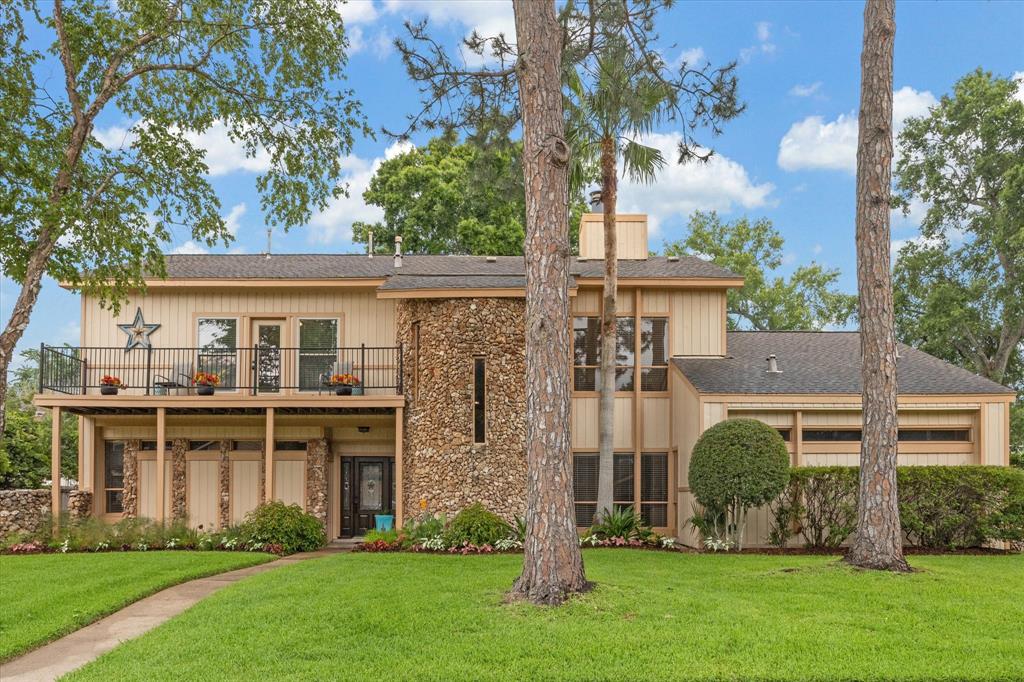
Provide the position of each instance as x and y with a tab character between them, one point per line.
267	335
366	490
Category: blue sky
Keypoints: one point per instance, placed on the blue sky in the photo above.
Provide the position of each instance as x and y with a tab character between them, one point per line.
789	157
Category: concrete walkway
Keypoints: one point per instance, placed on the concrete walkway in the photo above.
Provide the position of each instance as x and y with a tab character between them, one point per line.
71	652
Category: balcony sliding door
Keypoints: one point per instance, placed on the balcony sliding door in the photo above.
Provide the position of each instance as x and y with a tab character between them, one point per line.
318	351
267	335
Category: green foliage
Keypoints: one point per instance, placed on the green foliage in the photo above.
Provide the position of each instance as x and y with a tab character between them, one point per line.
475	525
268	74
287	525
386	536
622	522
25	446
819	504
958	288
427	526
1017	434
808	299
453	198
941	507
737	464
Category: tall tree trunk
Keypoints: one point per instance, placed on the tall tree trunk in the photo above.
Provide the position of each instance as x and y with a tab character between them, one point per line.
609	333
552	564
878	542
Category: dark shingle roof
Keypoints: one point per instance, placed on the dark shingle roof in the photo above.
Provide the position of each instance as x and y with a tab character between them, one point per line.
820	362
413	282
355	266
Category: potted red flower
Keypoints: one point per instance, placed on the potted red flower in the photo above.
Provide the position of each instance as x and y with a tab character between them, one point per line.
109	385
205	382
343	383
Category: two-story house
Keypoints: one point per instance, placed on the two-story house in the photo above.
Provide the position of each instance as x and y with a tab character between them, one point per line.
437	420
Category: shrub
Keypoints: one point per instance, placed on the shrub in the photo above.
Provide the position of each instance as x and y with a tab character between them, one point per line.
277	523
961	506
738	464
622	522
474	525
819	503
417	530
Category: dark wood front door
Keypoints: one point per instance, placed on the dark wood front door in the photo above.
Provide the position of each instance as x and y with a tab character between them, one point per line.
367	489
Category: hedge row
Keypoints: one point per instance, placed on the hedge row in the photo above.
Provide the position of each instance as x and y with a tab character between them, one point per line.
941	507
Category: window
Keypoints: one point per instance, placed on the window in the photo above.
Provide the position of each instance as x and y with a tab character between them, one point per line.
654	488
935	435
416	360
585	474
785	433
201	445
290	445
217	341
318	342
654	354
479	405
587	353
831	435
150	445
113	476
247	445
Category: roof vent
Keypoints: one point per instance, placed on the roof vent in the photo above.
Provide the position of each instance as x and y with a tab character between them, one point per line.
492	259
672	259
369	243
773	365
595	201
398	250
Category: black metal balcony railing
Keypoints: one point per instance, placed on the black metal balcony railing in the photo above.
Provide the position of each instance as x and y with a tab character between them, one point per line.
258	370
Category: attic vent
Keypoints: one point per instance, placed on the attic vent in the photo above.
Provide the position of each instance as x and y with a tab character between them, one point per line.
773	365
492	259
673	259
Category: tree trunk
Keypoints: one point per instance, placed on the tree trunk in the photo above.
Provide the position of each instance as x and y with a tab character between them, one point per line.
552	564
878	542
609	332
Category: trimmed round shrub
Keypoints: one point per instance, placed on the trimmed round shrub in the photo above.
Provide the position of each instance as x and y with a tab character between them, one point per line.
474	525
284	525
737	464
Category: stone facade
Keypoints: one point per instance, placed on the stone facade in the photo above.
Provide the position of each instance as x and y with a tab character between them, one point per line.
224	484
317	463
179	502
130	497
444	470
79	504
23	511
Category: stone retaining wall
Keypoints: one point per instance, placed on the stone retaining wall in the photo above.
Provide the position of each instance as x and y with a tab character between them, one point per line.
23	511
444	470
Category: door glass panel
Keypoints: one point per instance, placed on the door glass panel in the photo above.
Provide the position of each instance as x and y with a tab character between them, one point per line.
371	486
268	338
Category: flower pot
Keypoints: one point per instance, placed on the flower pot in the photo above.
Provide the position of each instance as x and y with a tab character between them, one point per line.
357	390
108	390
204	390
342	390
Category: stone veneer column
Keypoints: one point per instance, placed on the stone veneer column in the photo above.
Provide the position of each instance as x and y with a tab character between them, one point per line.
179	504
130	495
317	452
263	473
79	504
224	476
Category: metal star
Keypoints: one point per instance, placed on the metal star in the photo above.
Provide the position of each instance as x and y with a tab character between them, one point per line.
138	332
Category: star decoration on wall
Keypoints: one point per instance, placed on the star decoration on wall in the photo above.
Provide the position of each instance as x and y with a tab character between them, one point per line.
138	332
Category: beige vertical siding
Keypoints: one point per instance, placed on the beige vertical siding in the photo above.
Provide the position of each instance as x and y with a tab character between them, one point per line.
655	415
631	233
245	488
697	325
714	413
202	493
686	414
623	423
993	420
655	301
290	481
584	423
587	302
147	488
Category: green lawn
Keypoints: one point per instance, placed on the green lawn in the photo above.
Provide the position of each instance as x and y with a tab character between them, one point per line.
44	596
653	615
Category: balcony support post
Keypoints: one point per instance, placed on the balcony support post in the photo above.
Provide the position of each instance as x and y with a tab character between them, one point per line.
161	474
399	488
149	368
55	468
268	452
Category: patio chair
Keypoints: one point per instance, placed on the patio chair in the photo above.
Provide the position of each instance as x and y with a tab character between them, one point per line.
179	377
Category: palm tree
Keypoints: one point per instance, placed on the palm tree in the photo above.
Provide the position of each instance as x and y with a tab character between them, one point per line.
605	123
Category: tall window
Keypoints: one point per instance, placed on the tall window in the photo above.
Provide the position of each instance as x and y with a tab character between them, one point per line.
654	353
587	353
416	360
584	480
479	397
113	476
318	341
217	341
654	488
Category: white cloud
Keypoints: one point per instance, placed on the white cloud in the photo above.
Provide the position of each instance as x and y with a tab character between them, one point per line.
763	30
799	90
721	184
358	11
334	223
693	57
223	155
1019	77
233	220
817	249
488	18
190	247
814	143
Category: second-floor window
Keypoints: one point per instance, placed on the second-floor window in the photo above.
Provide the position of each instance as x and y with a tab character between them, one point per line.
654	353
318	339
653	360
217	341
